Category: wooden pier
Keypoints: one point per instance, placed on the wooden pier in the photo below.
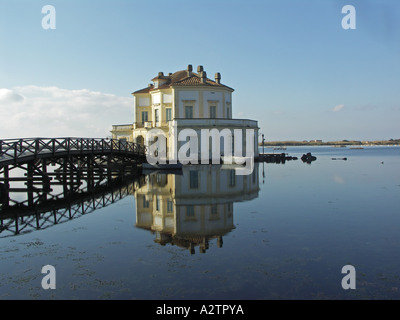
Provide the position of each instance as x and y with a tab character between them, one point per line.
34	166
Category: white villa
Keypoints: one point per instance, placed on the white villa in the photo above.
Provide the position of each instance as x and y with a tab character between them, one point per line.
181	100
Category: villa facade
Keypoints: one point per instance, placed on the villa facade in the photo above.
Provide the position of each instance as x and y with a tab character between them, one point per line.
183	100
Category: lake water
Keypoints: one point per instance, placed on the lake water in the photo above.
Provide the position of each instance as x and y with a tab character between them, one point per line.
284	232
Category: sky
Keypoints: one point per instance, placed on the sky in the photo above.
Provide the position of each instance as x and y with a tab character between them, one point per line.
293	66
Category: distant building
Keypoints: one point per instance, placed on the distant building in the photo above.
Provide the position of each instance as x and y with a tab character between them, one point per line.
180	100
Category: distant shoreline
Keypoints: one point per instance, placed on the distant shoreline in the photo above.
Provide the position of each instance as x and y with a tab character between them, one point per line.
390	142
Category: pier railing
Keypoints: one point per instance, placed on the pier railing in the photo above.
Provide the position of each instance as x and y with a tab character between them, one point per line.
19	150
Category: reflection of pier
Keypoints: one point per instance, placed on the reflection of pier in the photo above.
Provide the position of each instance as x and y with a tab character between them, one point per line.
194	208
23	219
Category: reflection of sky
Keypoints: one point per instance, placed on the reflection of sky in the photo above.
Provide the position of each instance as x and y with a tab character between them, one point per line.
313	219
289	242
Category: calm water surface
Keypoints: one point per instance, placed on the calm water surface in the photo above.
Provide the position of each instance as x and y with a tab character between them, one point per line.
284	232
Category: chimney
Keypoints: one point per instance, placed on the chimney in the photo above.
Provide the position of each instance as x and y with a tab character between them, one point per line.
200	69
203	77
161	74
189	70
218	78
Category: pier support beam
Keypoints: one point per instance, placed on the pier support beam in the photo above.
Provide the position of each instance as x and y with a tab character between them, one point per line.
5	188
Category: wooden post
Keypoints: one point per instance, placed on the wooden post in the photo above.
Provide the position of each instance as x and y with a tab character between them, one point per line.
30	184
37	220
16	224
64	177
89	166
36	147
109	176
15	152
45	179
71	176
6	197
79	171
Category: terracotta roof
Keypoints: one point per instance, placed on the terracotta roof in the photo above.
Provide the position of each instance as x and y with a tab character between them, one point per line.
145	90
181	78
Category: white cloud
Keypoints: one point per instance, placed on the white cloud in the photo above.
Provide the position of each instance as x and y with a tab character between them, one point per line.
9	96
33	111
338	108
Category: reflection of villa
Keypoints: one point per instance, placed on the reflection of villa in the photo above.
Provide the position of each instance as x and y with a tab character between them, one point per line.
181	100
191	209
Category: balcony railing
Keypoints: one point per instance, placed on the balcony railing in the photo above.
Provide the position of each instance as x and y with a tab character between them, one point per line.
187	122
140	125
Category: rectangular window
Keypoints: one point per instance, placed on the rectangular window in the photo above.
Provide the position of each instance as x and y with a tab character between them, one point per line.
146	203
228	112
145	117
157	203
168	114
213	111
214	209
190	211
189	112
157	116
194	179
170	206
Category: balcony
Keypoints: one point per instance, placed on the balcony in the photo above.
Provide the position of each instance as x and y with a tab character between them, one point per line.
122	127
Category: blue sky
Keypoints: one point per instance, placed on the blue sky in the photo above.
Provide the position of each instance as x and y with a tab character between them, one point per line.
292	65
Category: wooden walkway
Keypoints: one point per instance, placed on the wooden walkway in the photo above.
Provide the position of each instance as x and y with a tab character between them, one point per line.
16	151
